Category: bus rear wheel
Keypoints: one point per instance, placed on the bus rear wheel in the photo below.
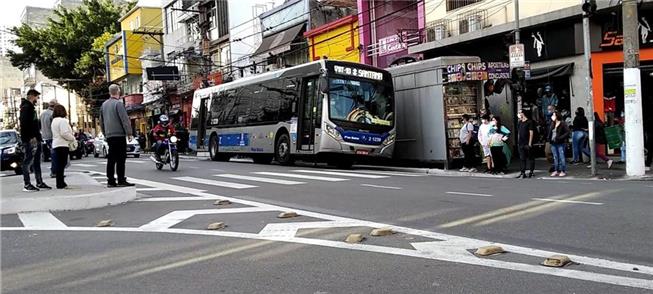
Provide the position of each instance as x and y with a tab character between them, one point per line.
282	150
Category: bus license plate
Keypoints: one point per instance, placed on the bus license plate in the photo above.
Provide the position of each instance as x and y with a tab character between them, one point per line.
362	152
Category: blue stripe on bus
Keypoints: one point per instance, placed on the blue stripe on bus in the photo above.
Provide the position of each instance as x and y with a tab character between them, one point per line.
233	140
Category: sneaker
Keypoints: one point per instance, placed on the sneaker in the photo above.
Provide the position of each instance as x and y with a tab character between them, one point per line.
610	162
554	174
52	176
43	186
562	174
112	185
126	184
30	188
464	169
472	170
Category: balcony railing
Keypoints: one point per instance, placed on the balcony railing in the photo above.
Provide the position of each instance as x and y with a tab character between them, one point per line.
463	23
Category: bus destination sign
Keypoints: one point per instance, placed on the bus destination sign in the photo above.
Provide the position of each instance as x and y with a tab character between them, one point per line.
357	72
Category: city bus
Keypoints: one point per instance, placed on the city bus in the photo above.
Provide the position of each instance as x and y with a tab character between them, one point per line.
280	115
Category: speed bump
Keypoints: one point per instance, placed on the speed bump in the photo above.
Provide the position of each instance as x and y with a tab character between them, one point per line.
216	226
105	223
556	261
382	232
354	238
287	214
222	202
489	250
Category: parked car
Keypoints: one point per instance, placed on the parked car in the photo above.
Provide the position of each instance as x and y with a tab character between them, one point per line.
101	147
11	153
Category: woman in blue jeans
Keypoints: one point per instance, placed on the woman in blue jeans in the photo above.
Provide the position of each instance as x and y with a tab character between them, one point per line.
579	134
558	137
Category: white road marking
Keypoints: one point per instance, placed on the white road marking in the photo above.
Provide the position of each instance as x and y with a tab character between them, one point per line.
179	216
260	179
381	187
135	161
149	189
215	183
41	219
298	176
332	173
182	198
448	248
84	165
469	194
567	201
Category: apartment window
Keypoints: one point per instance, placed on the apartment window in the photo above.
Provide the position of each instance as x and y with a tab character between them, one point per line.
222	18
172	16
455	4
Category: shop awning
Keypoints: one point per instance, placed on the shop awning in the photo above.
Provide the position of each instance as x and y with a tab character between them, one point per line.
279	42
552	71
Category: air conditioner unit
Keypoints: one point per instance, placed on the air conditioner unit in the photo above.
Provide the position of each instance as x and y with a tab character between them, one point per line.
463	26
475	22
440	32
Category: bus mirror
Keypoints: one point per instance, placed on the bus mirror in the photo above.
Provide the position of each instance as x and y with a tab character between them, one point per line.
324	85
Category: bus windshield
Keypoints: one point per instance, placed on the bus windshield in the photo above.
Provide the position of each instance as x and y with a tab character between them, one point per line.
362	102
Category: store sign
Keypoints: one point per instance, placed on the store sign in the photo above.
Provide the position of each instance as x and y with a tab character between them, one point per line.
476	71
357	72
612	37
391	44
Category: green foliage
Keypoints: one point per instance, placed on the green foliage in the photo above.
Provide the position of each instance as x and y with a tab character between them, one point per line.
70	46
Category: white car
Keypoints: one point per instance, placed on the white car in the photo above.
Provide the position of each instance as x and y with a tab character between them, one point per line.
102	147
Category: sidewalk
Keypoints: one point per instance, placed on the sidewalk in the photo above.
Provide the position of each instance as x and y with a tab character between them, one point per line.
85	193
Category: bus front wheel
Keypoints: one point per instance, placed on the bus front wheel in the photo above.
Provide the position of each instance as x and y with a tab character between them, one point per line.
282	150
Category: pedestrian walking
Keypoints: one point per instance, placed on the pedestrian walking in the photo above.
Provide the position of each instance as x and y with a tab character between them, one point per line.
115	125
579	133
499	134
484	139
46	132
62	139
525	137
31	141
467	144
558	137
600	141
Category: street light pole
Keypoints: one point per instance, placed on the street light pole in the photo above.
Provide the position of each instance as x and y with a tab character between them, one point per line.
517	28
588	9
632	92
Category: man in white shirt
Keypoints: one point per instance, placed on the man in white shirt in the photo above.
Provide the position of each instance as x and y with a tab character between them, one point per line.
484	139
466	143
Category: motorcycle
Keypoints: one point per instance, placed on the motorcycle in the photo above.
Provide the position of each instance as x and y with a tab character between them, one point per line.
170	156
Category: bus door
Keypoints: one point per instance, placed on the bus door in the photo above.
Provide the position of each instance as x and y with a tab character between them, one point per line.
203	121
309	114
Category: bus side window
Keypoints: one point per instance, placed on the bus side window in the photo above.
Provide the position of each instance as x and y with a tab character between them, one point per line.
288	107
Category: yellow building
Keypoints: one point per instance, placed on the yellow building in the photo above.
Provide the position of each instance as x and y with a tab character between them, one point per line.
337	40
141	33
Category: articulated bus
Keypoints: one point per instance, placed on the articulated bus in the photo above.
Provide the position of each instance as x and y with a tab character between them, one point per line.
280	115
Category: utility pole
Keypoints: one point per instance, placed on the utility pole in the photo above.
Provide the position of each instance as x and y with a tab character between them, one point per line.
589	7
517	28
632	92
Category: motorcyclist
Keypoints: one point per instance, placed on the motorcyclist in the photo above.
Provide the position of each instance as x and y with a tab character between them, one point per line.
164	129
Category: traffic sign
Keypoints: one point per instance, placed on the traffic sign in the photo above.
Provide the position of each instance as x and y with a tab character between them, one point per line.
517	55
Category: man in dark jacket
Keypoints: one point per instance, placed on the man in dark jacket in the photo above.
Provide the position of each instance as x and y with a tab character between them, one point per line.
30	135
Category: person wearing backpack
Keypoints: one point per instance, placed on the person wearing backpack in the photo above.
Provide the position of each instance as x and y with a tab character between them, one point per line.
467	143
525	137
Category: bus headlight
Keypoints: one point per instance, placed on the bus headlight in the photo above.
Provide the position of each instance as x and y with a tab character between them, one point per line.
173	139
333	132
10	150
390	139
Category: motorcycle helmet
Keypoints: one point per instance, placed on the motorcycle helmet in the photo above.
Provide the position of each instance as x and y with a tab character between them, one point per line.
163	119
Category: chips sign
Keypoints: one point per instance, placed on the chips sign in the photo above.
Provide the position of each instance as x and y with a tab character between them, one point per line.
517	55
357	72
476	71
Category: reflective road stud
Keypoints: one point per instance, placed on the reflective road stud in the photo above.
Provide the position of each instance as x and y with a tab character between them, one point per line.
105	223
354	238
287	214
222	202
489	250
556	261
216	226
382	232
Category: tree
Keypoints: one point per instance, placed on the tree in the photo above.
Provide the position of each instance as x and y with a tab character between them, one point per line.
67	48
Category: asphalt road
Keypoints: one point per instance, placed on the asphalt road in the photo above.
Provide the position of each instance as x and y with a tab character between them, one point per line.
159	243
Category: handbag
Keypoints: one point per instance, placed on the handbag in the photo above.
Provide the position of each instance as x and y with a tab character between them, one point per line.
73	145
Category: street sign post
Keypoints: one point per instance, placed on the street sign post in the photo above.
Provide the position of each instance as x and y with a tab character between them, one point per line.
517	56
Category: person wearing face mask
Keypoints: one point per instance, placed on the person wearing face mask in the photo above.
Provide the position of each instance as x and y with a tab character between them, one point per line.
579	129
558	136
499	134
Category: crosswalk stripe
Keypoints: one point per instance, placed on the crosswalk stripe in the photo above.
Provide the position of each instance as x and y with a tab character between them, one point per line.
41	219
299	176
332	173
84	165
260	179
135	161
400	174
215	183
